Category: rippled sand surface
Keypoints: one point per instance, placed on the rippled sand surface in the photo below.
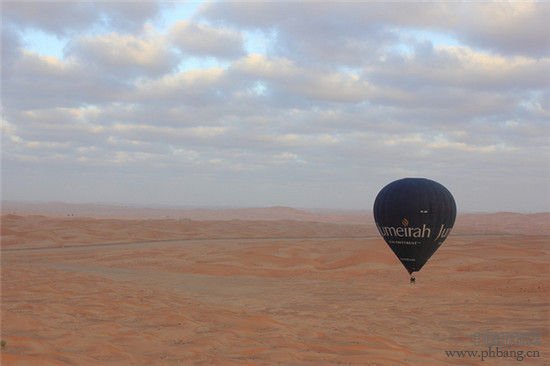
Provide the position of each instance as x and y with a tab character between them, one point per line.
259	293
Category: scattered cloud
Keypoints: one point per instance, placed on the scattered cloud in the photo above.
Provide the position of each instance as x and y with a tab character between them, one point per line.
71	18
124	56
207	41
272	102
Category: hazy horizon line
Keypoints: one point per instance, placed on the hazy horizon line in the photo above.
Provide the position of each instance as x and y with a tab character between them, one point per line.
226	207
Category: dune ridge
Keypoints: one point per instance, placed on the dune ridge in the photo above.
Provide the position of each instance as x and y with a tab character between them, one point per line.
50	229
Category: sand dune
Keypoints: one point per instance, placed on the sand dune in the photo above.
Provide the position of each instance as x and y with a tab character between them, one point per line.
50	229
200	214
43	231
264	292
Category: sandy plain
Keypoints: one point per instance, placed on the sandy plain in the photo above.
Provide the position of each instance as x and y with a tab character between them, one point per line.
290	288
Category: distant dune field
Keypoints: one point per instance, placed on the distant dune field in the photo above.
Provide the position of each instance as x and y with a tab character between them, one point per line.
280	287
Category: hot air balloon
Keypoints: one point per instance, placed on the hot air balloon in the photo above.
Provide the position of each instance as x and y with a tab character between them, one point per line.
414	216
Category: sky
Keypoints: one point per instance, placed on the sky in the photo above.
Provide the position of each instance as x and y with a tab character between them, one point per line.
255	104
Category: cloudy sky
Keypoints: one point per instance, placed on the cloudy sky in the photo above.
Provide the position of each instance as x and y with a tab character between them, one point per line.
313	105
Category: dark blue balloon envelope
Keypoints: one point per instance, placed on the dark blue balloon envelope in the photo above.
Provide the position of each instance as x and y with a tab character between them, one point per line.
414	216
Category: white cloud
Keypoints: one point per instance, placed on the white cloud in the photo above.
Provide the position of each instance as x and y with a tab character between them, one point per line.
124	55
348	32
261	66
301	140
288	157
443	143
462	67
399	140
194	86
285	75
147	131
67	18
204	40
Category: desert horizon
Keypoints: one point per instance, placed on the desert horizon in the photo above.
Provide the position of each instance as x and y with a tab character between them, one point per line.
52	207
275	290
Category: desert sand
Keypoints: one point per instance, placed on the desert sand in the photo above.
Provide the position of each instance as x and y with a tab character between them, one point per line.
276	287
